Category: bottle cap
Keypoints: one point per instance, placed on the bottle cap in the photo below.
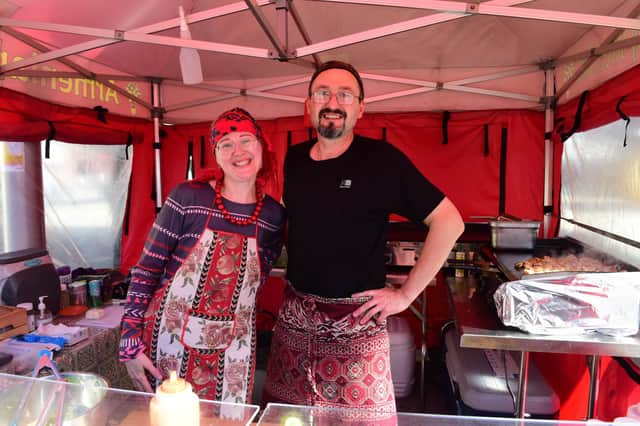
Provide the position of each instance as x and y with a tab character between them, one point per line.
173	384
63	270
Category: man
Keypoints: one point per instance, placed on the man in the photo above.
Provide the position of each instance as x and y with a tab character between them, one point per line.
330	345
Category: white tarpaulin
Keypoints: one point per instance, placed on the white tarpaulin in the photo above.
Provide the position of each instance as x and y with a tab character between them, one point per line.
601	189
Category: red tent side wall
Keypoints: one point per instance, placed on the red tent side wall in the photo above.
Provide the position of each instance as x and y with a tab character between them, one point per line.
466	167
24	118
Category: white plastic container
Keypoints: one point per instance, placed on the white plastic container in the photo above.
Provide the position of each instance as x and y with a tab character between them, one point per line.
402	350
478	380
31	314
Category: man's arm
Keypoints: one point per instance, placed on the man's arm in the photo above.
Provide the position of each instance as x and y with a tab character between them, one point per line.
445	226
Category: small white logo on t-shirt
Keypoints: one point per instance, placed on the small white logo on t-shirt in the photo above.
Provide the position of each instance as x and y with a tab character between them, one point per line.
345	184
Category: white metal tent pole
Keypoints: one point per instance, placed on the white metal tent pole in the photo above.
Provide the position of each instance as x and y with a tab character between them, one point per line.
157	114
274	36
548	150
297	19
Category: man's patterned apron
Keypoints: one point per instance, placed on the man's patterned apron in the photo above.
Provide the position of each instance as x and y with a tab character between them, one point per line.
201	323
321	356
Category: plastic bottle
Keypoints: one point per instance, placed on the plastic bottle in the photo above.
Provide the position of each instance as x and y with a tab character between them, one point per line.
95	293
44	315
174	404
64	273
31	314
65	299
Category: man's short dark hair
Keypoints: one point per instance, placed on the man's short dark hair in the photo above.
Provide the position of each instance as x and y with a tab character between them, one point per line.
340	66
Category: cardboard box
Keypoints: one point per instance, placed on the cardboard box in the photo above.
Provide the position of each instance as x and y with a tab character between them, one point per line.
13	321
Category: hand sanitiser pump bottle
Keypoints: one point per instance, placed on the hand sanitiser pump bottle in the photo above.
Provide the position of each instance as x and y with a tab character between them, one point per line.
44	315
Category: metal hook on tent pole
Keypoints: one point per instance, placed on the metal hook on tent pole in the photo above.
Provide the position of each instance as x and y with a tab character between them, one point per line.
472	7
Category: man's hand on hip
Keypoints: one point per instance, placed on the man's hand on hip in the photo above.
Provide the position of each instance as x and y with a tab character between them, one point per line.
384	302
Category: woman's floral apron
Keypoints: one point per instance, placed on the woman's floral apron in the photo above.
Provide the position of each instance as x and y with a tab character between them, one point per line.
201	323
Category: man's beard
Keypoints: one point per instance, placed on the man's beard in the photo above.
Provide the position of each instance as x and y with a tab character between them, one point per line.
330	131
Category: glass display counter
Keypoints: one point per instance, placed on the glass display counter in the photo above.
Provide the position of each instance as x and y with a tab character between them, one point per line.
293	415
84	400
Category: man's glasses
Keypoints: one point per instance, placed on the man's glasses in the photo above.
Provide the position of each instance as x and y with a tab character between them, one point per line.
227	147
322	96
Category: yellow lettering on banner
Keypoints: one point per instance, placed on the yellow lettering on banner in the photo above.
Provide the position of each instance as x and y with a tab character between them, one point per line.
18	59
569	71
82	83
84	87
66	84
54	81
100	90
635	53
112	94
50	80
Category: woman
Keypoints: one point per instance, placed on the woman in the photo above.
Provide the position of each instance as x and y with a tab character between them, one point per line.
191	302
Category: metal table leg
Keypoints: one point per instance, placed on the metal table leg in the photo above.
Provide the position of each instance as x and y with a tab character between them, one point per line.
594	364
522	384
419	309
423	346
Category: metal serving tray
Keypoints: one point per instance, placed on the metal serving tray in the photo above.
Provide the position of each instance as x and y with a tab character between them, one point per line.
520	235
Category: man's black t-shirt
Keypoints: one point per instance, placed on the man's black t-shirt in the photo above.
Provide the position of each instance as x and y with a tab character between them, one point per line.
338	213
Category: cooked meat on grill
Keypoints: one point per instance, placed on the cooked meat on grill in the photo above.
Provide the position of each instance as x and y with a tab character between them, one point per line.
570	262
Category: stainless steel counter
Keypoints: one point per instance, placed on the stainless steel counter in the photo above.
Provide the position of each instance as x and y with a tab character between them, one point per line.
588	344
480	328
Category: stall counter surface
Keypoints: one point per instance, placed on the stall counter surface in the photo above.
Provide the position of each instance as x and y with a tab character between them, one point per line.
290	415
25	400
91	404
96	353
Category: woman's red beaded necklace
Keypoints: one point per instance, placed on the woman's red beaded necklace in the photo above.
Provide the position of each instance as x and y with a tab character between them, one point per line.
242	221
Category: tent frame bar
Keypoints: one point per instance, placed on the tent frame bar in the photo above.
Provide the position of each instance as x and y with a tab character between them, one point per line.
487	8
387	30
234	92
147	29
547	202
611	38
121	35
278	39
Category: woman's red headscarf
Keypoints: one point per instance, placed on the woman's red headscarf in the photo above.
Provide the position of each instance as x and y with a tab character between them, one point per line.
239	120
